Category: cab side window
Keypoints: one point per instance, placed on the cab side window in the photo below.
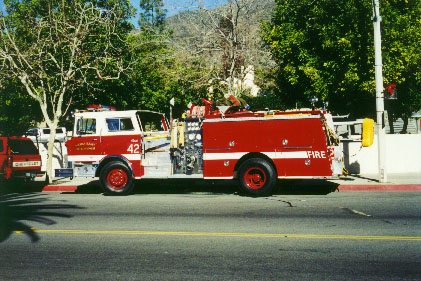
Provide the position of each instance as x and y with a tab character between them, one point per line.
86	126
153	126
1	146
152	122
119	124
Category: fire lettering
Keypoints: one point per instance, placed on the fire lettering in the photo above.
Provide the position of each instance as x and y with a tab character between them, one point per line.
316	154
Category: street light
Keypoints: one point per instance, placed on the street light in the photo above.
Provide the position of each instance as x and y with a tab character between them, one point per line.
381	130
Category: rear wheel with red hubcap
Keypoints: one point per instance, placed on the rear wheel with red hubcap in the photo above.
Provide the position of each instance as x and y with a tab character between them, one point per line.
257	177
116	178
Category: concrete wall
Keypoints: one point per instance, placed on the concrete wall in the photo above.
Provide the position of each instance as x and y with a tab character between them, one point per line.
403	155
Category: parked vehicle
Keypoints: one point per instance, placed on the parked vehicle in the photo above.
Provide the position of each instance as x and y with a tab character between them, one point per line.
19	158
42	135
253	147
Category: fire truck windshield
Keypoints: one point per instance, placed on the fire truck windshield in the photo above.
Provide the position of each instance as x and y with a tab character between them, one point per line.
86	126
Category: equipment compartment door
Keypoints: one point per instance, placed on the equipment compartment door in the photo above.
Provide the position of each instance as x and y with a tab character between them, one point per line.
304	148
156	160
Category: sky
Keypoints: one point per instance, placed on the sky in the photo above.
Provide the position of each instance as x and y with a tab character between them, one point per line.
173	6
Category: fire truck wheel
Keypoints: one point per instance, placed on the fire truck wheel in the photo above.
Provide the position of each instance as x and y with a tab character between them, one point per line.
116	179
257	177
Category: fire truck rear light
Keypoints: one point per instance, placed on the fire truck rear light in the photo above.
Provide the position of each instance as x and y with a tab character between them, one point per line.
9	161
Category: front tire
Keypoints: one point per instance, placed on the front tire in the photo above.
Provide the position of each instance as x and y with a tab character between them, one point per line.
257	177
116	179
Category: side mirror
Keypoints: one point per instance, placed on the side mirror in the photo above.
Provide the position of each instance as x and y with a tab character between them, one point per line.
368	132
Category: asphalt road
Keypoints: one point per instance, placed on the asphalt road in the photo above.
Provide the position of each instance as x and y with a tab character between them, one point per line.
210	236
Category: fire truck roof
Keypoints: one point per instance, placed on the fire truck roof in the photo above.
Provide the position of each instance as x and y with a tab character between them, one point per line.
121	113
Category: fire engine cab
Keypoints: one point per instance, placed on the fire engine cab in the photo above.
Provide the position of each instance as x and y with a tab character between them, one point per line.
254	147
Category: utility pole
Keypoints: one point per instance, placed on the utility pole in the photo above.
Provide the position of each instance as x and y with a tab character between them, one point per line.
381	130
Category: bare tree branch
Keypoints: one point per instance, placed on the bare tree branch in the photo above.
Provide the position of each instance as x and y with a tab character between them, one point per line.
63	56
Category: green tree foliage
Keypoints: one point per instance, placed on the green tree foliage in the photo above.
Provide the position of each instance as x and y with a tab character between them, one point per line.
17	112
325	49
152	15
158	73
158	76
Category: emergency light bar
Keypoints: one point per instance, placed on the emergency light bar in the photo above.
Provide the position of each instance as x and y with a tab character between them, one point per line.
100	107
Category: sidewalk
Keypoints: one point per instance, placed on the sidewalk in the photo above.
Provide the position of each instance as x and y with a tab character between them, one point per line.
395	182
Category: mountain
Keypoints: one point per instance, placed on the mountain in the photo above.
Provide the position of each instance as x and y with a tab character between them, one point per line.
200	31
259	10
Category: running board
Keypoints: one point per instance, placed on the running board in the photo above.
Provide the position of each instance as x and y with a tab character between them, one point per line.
195	176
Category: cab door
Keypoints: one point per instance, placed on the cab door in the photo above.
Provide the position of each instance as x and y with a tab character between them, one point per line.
121	137
85	146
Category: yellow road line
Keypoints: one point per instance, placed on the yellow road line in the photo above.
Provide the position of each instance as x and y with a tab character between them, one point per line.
216	234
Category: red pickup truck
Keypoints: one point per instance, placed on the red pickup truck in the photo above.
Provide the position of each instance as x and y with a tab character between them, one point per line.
19	158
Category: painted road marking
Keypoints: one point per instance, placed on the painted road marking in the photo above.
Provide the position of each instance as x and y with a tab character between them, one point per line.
216	234
356	212
360	213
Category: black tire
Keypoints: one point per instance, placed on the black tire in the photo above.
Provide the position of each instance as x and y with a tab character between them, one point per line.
257	177
116	179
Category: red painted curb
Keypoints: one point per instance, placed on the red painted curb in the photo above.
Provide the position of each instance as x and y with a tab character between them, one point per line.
68	188
379	187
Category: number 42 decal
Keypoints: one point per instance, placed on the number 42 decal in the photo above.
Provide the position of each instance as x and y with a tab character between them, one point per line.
133	148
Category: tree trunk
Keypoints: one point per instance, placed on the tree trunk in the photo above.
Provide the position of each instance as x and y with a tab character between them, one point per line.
50	151
405	125
391	120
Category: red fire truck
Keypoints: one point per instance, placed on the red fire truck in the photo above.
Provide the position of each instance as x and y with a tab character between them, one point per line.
254	147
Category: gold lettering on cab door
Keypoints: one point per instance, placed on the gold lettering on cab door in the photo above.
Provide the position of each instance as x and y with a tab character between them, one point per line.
85	146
